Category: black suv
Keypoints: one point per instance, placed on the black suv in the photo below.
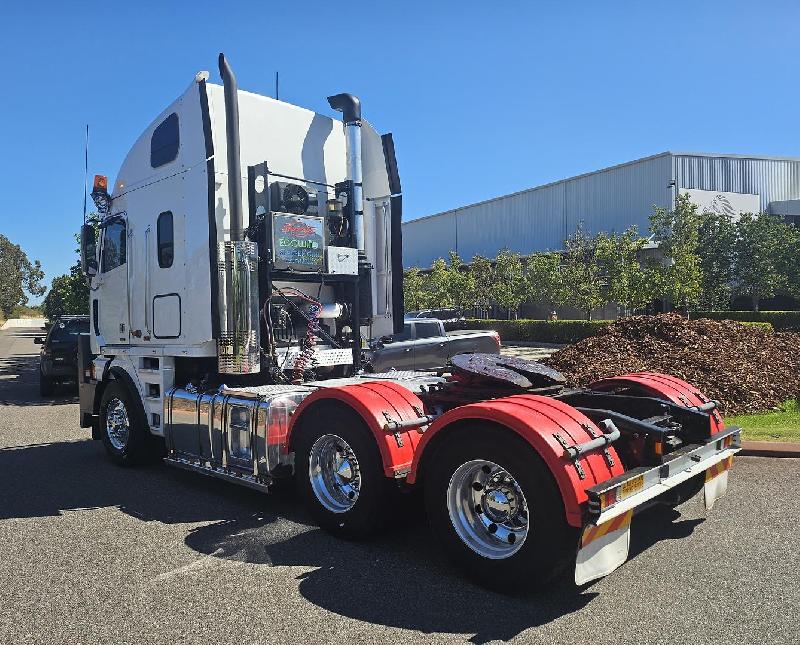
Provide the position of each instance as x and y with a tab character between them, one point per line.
59	357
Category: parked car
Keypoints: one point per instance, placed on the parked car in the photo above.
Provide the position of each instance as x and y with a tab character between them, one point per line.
452	318
425	345
58	361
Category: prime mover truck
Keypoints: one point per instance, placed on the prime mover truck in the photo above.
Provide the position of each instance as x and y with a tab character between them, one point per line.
245	249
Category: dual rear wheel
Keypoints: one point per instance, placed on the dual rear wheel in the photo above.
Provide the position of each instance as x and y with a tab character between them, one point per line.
490	499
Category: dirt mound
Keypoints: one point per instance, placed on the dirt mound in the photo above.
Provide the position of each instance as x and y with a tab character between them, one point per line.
745	368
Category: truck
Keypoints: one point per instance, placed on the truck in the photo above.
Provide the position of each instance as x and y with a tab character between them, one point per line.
423	344
245	249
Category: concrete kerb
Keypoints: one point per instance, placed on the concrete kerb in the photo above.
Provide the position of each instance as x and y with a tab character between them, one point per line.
770	449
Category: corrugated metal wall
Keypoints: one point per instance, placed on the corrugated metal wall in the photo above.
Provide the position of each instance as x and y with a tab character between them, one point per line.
608	200
540	218
772	179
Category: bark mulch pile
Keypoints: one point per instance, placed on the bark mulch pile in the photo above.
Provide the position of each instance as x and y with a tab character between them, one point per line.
745	368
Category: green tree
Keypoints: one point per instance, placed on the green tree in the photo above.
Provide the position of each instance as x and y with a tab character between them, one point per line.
545	282
716	249
18	276
483	277
625	279
581	273
677	232
763	259
461	283
439	280
69	293
510	288
414	289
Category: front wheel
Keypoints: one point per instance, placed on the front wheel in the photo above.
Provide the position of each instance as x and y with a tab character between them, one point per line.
126	437
496	510
339	472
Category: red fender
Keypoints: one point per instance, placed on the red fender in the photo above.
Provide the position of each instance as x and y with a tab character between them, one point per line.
373	401
536	419
661	386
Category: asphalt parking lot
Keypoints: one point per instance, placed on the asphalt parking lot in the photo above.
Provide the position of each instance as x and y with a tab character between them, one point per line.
94	553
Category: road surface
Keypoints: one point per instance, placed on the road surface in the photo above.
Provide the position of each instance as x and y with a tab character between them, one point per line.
94	553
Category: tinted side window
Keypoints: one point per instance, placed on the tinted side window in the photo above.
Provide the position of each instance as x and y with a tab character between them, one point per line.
428	330
164	142
165	239
403	335
114	242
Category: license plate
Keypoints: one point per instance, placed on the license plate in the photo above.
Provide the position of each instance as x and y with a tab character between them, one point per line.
631	486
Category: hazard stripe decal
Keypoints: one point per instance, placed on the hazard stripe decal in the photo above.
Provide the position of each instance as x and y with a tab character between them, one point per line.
592	533
719	468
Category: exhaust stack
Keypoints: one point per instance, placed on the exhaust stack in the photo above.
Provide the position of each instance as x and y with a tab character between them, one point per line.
232	139
239	342
350	107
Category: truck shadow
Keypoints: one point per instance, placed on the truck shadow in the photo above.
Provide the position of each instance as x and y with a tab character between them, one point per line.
396	579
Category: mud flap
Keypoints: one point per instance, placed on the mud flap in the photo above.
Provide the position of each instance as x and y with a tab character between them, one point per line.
716	482
603	548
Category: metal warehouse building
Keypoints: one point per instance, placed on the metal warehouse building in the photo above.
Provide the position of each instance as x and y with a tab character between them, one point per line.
608	200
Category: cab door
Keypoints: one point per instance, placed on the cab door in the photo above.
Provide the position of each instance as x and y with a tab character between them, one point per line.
430	346
112	308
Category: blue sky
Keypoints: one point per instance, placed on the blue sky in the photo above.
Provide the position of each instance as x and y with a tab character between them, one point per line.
483	98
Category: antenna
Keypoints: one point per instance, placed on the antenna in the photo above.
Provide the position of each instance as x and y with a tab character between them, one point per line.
85	170
276	86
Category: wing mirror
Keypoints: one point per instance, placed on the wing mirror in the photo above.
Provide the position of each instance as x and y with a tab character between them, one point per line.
88	251
386	340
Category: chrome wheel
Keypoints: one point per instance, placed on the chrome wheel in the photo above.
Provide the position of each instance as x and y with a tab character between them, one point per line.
118	426
488	509
334	473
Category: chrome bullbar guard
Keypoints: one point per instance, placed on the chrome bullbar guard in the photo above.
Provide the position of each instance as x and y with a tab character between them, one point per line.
637	486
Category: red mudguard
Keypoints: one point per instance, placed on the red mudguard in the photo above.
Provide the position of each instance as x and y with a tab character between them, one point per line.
537	419
377	402
661	386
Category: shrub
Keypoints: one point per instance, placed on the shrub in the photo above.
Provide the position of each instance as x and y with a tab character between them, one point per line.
544	331
780	320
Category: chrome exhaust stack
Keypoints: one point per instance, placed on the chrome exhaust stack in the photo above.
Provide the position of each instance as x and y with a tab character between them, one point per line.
239	342
350	107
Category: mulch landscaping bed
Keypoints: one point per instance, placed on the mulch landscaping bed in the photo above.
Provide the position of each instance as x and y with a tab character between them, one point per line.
745	368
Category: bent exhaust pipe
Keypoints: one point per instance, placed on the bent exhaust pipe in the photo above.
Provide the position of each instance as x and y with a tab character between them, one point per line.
232	139
350	107
239	342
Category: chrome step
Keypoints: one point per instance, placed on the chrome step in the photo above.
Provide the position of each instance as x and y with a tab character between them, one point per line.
235	477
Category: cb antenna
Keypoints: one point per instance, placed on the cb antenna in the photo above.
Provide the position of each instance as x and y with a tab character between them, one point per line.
85	170
276	86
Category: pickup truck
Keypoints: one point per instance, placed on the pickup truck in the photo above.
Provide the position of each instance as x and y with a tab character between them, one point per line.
425	345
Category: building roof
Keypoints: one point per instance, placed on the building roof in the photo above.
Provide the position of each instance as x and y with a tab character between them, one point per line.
672	153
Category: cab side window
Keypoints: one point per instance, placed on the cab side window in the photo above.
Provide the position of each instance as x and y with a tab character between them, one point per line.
165	141
428	329
166	240
114	246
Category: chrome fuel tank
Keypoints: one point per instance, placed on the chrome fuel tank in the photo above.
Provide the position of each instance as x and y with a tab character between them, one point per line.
226	428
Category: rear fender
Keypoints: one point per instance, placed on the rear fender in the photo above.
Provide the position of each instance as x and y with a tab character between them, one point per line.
661	386
377	403
536	419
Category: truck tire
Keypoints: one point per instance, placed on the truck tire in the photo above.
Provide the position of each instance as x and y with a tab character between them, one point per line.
496	510
126	437
46	385
339	473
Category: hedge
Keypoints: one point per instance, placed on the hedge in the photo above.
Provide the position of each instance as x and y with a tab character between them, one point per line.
543	331
559	331
781	320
